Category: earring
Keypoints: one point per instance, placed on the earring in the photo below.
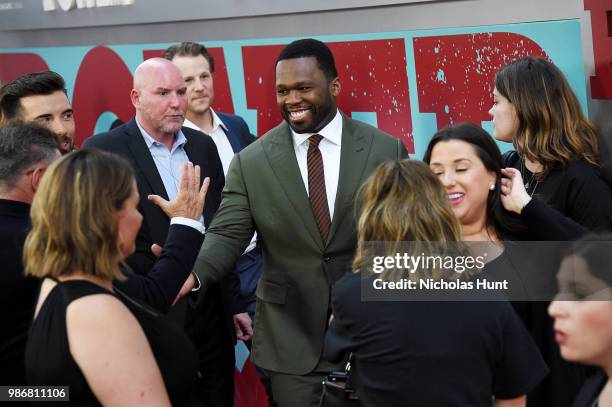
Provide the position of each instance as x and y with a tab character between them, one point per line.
492	187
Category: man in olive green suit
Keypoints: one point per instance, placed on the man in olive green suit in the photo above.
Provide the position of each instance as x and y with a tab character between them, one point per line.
296	186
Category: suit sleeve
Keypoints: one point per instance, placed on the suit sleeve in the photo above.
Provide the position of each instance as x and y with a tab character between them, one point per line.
230	283
402	153
230	231
246	132
160	286
217	181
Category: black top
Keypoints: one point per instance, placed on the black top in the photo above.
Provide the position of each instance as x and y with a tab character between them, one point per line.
589	394
431	353
577	190
560	386
17	292
49	361
570	201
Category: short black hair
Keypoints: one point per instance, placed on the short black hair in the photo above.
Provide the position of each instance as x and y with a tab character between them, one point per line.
309	47
31	84
23	145
190	49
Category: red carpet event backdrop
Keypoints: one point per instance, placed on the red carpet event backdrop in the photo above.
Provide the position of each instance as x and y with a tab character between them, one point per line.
408	84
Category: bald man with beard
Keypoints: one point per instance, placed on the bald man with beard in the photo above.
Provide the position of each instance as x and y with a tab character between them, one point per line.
156	145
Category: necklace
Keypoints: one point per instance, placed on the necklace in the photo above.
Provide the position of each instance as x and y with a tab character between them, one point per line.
528	182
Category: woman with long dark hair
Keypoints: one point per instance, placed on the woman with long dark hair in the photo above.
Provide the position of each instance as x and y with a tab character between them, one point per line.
557	154
469	164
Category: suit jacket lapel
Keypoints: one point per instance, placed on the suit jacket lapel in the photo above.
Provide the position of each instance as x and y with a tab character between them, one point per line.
232	132
353	157
232	138
143	159
190	147
278	147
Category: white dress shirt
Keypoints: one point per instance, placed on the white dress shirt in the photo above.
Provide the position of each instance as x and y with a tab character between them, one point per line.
330	152
226	152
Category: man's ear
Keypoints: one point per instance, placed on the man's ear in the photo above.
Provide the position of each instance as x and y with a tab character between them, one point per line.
135	97
37	175
334	87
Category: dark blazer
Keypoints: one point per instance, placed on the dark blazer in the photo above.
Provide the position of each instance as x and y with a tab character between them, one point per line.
18	293
265	192
127	141
159	287
237	132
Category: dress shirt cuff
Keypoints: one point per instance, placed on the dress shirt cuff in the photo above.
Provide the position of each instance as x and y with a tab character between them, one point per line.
180	220
198	283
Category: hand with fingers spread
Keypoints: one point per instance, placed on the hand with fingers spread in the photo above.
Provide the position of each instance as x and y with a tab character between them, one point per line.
189	201
514	196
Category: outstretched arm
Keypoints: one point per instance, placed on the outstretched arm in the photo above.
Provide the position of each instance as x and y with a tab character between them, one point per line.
230	231
160	286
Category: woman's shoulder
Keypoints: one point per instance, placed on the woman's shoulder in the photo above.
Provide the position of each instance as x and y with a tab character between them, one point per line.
97	318
101	306
346	293
581	170
583	177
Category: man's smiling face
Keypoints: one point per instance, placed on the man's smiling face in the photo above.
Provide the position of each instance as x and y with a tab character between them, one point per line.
305	96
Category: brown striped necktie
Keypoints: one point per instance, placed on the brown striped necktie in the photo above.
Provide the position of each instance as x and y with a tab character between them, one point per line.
316	186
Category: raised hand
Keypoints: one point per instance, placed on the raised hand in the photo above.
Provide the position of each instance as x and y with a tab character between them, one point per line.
189	201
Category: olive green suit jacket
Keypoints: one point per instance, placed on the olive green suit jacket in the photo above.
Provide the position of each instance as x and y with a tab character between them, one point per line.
264	191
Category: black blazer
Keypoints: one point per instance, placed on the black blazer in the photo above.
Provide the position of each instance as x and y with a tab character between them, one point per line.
237	133
18	293
127	141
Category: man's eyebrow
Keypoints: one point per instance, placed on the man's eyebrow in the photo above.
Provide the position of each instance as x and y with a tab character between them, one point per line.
67	111
295	84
